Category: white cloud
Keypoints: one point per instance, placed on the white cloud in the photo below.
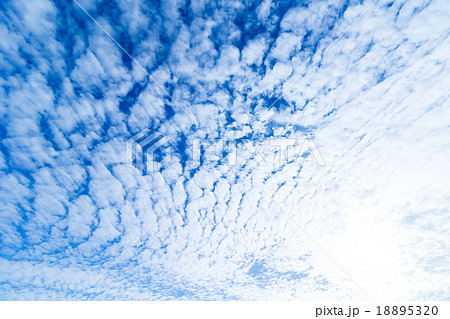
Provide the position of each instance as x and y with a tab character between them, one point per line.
376	104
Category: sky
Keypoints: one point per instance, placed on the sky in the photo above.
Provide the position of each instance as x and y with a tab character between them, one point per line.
356	208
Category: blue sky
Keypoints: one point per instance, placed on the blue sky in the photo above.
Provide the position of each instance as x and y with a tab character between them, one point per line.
367	82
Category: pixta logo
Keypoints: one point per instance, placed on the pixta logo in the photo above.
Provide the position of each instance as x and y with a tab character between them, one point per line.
272	152
141	151
149	151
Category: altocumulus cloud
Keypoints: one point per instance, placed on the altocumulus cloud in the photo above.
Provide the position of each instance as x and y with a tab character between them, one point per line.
373	221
